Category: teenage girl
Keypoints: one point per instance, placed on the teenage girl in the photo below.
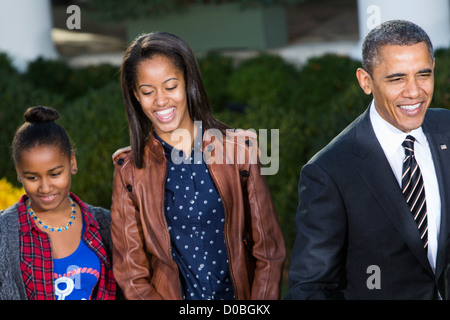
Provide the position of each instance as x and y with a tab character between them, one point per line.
53	246
201	228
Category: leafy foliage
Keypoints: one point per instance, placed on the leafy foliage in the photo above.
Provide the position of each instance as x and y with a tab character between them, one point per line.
8	194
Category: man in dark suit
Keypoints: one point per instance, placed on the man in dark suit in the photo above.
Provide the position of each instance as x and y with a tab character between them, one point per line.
372	220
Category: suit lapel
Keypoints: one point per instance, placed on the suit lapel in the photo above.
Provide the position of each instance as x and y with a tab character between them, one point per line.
375	171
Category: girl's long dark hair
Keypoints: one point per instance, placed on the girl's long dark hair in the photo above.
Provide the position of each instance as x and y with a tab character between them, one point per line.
181	55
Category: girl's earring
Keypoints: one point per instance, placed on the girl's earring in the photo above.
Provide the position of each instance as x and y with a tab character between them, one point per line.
19	179
74	171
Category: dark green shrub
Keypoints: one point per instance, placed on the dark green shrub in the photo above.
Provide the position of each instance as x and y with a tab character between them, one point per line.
50	75
216	71
441	97
324	77
82	80
98	127
265	79
324	83
6	67
56	76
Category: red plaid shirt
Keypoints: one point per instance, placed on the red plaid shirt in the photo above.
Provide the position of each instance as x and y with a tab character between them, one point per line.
36	256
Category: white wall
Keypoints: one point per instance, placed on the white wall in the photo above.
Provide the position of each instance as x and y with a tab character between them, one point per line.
432	15
25	31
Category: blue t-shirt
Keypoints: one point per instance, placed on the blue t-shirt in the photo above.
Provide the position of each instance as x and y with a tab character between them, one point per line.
76	275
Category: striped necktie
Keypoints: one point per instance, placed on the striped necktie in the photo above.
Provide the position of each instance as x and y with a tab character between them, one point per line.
413	189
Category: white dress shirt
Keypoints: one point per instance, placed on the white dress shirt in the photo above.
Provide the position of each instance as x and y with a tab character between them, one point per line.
391	140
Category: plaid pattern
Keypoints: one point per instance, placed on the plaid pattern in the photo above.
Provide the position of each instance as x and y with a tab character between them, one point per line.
37	262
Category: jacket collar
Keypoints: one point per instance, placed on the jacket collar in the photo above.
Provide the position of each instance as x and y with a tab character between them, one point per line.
154	149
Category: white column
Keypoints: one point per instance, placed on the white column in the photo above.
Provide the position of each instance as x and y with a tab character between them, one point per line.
25	31
432	15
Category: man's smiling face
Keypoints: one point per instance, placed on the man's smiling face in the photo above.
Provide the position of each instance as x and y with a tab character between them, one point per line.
402	84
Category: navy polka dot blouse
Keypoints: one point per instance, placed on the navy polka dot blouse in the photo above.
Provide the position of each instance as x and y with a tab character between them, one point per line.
195	218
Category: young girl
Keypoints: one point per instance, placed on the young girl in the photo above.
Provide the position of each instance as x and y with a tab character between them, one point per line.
192	217
53	246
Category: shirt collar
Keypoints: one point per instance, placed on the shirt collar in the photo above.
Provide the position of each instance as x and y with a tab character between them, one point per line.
25	223
389	136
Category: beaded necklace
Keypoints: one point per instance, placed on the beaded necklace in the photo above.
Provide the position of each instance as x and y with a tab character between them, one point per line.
47	227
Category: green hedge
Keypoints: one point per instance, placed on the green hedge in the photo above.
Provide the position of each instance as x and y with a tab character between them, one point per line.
308	106
441	97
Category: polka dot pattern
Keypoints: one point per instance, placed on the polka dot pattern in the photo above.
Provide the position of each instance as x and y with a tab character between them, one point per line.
195	217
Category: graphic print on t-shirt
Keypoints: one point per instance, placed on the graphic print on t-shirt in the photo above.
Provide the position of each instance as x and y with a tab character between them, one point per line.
72	280
76	276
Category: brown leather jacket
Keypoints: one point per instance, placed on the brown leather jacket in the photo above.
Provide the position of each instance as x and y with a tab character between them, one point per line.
142	258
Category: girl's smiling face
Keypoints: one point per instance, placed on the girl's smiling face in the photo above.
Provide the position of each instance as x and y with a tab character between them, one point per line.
46	172
161	91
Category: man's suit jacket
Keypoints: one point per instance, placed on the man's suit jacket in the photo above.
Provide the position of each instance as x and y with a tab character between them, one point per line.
356	238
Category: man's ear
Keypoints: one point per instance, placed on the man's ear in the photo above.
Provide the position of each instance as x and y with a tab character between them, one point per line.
365	80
